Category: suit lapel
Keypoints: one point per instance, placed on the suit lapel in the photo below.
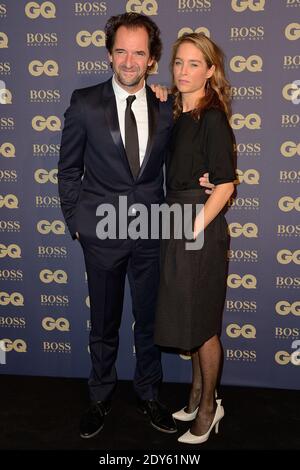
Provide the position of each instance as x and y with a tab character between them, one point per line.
153	110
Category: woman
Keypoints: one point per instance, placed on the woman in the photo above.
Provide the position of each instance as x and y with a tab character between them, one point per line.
193	282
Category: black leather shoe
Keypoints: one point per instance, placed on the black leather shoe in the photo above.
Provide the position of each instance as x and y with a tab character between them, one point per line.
160	417
92	420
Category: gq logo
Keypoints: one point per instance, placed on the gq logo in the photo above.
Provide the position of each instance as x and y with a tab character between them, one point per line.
38	68
5	96
3	40
283	307
251	121
85	38
61	324
291	92
287	256
248	281
10	201
283	357
249	230
250	176
253	5
187	30
290	149
43	176
247	331
292	31
45	227
287	204
13	251
7	150
17	345
59	276
15	298
33	10
147	7
253	63
40	123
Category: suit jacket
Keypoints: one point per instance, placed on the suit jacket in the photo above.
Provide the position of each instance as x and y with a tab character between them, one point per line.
93	168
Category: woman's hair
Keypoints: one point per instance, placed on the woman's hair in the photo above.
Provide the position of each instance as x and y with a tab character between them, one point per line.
217	89
133	21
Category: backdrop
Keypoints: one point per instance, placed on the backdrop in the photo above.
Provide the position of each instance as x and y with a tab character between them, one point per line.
50	48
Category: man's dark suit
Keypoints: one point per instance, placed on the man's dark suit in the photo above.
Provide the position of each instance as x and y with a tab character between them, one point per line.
92	146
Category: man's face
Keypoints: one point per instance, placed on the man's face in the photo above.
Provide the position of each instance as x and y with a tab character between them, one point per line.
130	57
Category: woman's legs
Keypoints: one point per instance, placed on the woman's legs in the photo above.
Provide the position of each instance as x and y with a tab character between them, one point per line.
209	356
195	393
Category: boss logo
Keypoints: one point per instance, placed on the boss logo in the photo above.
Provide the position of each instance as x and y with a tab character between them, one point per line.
287	282
61	324
283	307
85	38
12	251
43	176
11	274
53	347
240	63
197	5
10	201
291	92
46	9
147	7
286	256
291	61
240	355
5	68
187	30
12	322
17	345
248	148
90	8
15	298
8	175
47	276
89	66
292	31
39	39
37	68
48	96
47	201
248	230
42	150
288	230
251	32
5	96
3	40
242	255
10	226
7	123
250	176
58	300
244	203
290	120
235	331
51	123
239	305
7	150
52	251
287	204
242	5
45	227
292	176
251	121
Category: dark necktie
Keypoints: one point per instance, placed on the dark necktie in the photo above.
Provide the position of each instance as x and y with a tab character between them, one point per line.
131	138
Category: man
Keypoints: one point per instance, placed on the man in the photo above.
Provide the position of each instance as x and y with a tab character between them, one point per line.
94	168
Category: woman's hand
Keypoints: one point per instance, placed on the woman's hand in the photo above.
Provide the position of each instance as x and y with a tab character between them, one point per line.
204	181
160	91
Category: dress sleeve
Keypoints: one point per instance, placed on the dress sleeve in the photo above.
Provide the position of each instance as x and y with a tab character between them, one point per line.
219	148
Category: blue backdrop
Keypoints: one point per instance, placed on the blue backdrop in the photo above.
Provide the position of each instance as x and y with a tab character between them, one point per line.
49	48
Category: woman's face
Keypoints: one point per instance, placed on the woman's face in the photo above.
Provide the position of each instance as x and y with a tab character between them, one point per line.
190	70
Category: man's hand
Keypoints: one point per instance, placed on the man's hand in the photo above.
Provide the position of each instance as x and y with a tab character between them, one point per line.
160	91
204	181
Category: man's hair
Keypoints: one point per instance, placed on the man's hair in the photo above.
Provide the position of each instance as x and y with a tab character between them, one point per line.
134	20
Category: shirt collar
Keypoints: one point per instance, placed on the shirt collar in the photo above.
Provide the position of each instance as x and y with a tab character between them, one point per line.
122	94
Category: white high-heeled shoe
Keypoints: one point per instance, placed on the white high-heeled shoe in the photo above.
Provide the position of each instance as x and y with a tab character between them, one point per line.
189	438
182	415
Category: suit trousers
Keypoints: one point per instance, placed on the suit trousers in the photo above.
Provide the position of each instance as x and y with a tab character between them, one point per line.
106	290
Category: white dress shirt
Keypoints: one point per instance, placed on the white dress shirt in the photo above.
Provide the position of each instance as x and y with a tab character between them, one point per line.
140	111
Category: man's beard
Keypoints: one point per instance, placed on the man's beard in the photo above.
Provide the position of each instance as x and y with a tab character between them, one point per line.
130	82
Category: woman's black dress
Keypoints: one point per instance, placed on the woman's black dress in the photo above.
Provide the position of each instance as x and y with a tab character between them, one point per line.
193	282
